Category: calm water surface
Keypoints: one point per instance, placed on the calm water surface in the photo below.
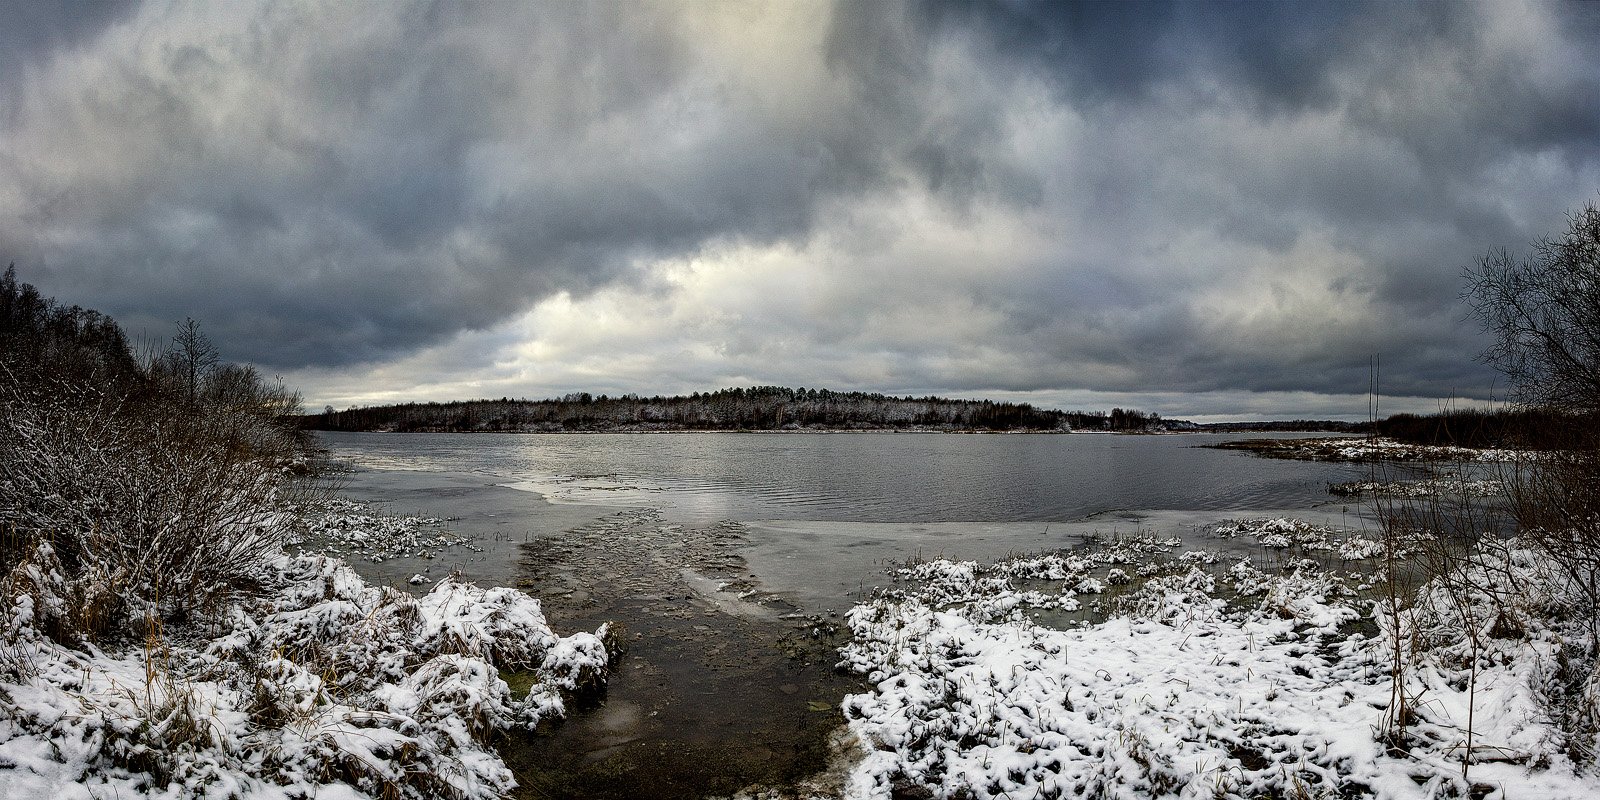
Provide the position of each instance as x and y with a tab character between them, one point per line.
872	477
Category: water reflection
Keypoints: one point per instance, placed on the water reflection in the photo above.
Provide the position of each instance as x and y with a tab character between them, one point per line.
876	477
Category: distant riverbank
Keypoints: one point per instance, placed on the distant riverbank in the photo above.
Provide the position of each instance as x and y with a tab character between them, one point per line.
759	408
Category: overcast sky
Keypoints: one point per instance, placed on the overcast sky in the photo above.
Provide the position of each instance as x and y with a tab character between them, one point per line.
1201	210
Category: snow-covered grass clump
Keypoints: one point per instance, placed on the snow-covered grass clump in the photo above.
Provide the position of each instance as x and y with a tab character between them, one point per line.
1348	448
1282	533
1442	487
1005	589
339	527
324	687
1278	691
1394	450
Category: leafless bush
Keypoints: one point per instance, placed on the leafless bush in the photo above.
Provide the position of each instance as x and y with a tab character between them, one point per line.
133	488
150	507
1544	311
1451	609
1556	501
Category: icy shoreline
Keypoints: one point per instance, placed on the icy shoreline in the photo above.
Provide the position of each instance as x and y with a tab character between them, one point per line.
324	687
1353	448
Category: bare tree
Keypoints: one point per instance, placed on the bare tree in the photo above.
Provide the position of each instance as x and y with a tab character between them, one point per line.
192	357
1544	309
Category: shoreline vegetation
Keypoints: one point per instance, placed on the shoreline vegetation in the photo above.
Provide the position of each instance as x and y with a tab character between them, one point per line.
759	408
157	637
767	409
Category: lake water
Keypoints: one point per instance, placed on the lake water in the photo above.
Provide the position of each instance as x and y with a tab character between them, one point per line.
868	477
825	513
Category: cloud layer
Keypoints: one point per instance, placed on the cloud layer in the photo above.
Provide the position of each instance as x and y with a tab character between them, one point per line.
1176	203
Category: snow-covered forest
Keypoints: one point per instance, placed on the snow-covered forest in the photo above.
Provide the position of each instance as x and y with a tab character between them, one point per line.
755	408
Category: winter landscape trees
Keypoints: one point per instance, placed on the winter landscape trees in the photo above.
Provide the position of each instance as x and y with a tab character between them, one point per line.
156	481
1544	312
141	492
1488	602
754	408
157	640
1543	309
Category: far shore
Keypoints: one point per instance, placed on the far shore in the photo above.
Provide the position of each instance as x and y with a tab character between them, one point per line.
1320	433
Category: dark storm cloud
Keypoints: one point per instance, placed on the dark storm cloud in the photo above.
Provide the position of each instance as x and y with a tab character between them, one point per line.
1431	102
1112	51
342	214
33	31
385	183
1212	197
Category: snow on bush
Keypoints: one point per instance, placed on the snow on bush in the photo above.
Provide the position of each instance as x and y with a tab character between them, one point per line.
1187	695
326	687
150	510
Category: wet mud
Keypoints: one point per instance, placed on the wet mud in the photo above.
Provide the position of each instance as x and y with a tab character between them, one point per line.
722	688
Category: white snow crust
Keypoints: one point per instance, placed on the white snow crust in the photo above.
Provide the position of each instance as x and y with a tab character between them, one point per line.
1210	681
326	688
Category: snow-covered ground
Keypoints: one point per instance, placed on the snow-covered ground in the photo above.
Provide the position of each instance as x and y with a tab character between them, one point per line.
1352	448
1210	678
326	687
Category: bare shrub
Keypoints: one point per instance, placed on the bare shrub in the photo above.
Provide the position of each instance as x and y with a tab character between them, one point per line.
161	490
168	513
1544	311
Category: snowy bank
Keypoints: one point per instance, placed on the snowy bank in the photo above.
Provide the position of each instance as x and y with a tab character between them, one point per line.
324	687
1212	681
1352	448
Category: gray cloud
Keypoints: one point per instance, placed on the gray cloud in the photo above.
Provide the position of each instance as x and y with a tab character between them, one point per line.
1163	197
33	31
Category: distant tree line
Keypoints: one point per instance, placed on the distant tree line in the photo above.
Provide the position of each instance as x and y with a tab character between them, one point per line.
1324	425
764	408
1516	427
775	408
1521	427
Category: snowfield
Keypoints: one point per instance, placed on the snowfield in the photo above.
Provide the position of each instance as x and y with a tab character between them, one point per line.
1213	681
326	688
